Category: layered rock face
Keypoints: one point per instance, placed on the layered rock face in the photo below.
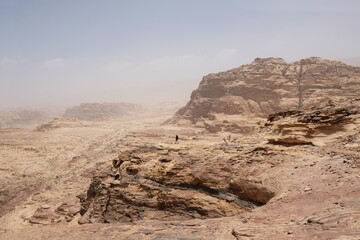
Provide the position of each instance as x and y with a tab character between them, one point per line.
101	111
312	127
171	183
266	86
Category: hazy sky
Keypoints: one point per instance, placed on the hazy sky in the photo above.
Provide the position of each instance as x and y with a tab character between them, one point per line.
61	52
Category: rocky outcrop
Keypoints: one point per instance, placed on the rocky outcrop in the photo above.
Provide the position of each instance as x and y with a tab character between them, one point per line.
312	126
266	86
101	111
167	183
235	177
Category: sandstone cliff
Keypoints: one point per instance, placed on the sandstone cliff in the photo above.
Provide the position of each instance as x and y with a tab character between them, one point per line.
266	86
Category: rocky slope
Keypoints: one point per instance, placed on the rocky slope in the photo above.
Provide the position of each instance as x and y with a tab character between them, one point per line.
295	177
176	182
266	86
101	111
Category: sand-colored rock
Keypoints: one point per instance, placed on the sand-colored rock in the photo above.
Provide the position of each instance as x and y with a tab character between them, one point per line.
169	183
266	86
307	127
208	186
296	176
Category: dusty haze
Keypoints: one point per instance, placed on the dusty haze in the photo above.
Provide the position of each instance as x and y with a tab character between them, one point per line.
64	53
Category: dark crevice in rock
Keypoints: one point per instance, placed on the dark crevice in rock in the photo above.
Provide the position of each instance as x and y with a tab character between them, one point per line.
289	143
223	194
106	207
229	195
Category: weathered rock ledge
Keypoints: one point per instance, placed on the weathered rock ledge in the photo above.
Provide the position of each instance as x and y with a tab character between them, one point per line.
308	126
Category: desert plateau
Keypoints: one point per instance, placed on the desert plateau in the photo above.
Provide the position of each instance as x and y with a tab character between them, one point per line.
281	163
179	120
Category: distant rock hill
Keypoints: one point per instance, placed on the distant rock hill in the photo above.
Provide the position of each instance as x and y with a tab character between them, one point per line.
26	117
266	86
101	111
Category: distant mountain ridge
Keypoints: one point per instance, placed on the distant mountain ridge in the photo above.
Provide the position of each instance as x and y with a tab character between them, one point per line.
27	117
269	85
101	111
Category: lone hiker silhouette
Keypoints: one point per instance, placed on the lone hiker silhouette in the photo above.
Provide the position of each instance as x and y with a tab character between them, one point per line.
176	139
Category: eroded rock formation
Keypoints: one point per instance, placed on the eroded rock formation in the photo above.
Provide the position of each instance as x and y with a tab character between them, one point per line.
167	183
266	86
308	126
